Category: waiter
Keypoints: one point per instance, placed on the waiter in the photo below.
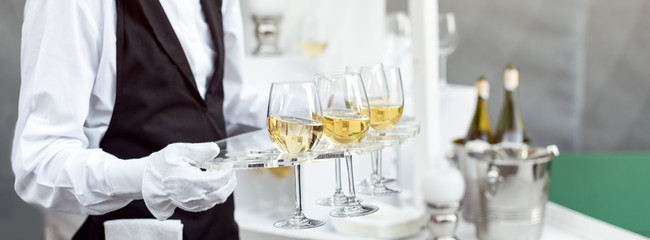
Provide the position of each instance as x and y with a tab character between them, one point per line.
119	99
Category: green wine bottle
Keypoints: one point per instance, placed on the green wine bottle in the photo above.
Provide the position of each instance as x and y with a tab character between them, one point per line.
510	127
480	128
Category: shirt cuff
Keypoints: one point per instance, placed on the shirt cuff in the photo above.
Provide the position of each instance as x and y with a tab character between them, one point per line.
125	177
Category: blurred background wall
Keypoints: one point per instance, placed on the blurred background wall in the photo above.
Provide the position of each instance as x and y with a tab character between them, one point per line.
583	64
18	220
546	41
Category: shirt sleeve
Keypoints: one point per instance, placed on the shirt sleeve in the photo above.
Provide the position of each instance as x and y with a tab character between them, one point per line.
244	104
51	159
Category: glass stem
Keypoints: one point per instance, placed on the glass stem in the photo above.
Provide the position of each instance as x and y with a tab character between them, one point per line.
379	170
443	70
353	193
339	185
375	166
296	173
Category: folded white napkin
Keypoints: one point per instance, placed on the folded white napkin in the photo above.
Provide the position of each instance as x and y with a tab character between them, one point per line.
389	222
143	229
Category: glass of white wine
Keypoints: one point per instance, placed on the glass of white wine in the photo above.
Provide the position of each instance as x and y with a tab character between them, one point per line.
339	198
447	42
346	119
295	127
312	38
386	101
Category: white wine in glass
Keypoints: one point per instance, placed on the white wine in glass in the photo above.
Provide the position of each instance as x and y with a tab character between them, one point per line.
345	126
294	125
312	38
294	135
313	49
383	116
338	198
384	89
346	120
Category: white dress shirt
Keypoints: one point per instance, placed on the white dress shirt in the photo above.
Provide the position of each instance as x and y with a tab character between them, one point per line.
67	95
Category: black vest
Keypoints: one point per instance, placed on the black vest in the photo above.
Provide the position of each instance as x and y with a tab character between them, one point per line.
157	103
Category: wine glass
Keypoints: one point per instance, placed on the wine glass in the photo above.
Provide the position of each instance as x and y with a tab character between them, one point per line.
386	100
312	38
447	42
346	119
338	198
295	127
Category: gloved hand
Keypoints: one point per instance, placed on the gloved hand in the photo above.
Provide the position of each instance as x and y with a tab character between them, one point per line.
169	180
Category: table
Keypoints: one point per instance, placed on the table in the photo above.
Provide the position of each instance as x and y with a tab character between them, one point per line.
560	224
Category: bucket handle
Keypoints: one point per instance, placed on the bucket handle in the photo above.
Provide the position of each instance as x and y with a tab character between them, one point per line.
552	149
493	179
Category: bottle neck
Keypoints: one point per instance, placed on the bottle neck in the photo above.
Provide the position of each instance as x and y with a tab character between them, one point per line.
511	100
480	126
510	127
484	117
482	106
511	95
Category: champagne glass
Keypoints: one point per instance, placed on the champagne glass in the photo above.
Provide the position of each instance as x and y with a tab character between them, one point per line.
447	42
346	119
312	38
337	199
295	127
386	100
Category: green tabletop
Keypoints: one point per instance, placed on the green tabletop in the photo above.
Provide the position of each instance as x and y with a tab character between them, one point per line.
612	187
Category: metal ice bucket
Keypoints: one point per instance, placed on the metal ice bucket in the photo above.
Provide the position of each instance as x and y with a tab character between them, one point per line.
512	192
467	167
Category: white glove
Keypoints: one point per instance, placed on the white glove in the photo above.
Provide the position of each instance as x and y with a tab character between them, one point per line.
169	180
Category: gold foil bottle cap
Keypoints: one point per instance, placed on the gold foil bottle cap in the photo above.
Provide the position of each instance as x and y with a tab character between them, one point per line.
511	78
483	87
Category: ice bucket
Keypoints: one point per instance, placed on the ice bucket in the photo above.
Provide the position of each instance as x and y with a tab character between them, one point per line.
512	185
467	167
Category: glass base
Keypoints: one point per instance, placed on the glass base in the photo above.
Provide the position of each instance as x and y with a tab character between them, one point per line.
370	179
376	188
386	180
298	222
353	210
336	200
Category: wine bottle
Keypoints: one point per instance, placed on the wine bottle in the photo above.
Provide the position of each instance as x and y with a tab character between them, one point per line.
480	128
510	127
